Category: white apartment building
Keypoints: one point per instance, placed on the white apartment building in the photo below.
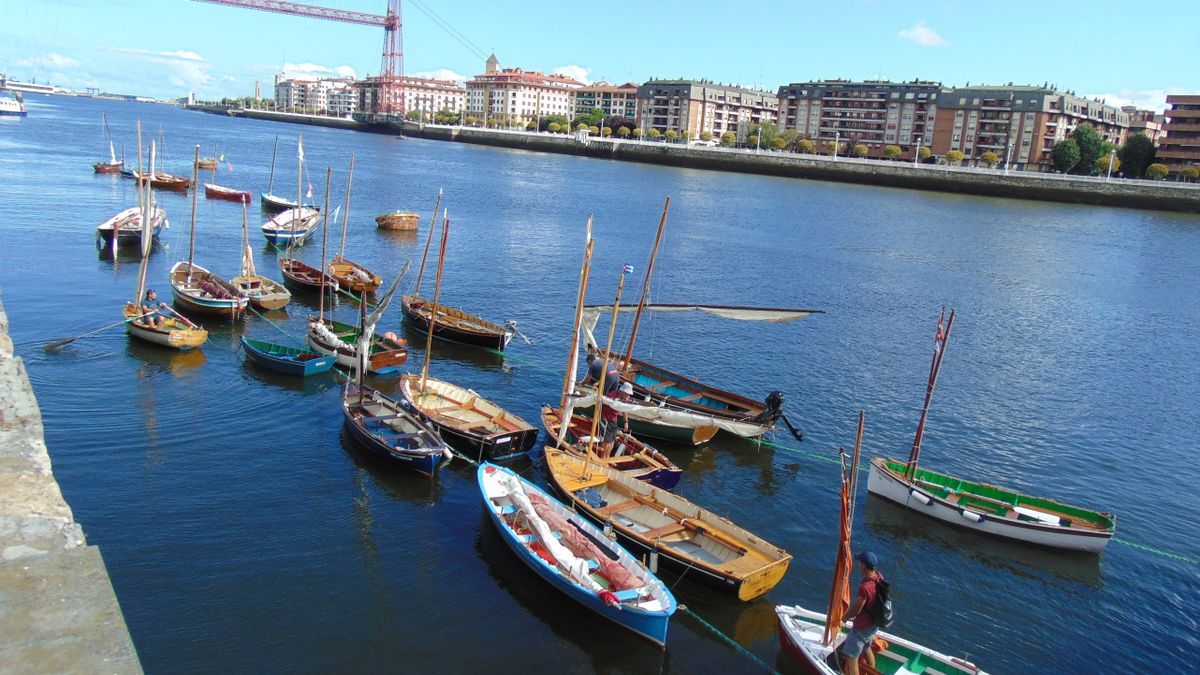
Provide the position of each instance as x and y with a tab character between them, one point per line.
515	96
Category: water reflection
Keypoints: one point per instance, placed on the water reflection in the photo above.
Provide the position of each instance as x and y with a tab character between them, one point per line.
394	481
479	357
153	358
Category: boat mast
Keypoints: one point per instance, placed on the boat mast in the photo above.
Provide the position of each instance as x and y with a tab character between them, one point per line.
192	230
437	289
612	328
147	230
247	256
142	211
324	278
637	317
839	592
299	185
346	215
573	354
939	351
271	182
428	239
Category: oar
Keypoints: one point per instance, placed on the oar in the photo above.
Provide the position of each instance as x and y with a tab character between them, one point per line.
51	346
177	314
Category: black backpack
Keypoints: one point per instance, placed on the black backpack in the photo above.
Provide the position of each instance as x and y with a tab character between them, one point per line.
880	611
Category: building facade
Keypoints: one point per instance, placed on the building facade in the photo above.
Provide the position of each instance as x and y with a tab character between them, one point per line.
330	96
874	113
1180	145
614	100
427	95
515	97
692	107
1148	122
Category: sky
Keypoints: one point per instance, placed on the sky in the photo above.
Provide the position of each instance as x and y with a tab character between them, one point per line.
166	48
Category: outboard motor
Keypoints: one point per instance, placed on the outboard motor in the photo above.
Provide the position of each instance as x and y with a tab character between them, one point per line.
773	410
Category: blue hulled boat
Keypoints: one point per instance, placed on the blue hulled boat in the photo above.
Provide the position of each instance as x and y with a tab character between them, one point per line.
291	228
286	360
575	557
390	430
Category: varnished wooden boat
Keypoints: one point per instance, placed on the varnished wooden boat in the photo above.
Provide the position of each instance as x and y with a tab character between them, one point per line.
285	359
353	277
214	191
113	165
304	277
292	227
197	290
471	424
208	163
398	220
744	416
454	324
630	456
275	204
650	420
173	333
689	540
128	225
167	181
108	167
392	431
335	338
262	292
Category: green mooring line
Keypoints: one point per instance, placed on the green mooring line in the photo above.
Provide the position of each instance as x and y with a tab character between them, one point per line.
733	643
1158	551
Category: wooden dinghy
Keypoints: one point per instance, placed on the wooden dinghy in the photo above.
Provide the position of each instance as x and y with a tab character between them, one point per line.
199	291
575	557
630	456
164	180
338	339
304	277
405	221
471	424
206	163
214	191
291	228
651	420
285	359
112	165
172	333
128	225
687	539
263	293
108	167
979	506
392	431
454	324
352	276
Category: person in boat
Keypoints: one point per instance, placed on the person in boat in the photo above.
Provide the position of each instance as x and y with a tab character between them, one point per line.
609	416
862	632
150	307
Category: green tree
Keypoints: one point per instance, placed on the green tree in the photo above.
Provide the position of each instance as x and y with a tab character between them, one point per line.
924	153
861	150
413	115
638	132
1157	171
766	131
752	140
623	132
607	131
831	147
706	135
654	133
554	127
1191	173
582	126
806	146
1137	154
892	152
672	134
954	157
1065	155
990	158
1102	164
471	121
1091	147
728	139
593	130
779	143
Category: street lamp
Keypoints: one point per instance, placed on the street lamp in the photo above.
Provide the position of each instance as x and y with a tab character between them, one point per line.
1112	155
837	136
1008	159
918	151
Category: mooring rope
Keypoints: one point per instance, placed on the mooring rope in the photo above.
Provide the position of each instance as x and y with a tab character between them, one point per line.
730	641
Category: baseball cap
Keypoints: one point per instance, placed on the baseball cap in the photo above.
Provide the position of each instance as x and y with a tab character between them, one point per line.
867	558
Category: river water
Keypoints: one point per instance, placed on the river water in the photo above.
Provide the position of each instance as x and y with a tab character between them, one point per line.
244	531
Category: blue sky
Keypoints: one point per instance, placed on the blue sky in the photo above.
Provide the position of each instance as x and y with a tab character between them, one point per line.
166	48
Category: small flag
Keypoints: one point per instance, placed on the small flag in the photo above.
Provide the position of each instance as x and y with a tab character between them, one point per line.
221	158
309	194
628	269
229	165
300	149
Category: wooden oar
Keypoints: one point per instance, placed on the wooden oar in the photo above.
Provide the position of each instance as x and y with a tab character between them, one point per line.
57	344
177	314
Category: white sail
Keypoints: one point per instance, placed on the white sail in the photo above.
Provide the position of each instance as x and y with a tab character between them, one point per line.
112	153
770	314
368	328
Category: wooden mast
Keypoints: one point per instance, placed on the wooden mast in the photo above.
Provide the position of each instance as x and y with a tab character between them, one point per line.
271	182
324	278
437	289
428	240
247	256
142	210
192	229
939	352
839	591
572	354
346	215
637	317
299	186
603	376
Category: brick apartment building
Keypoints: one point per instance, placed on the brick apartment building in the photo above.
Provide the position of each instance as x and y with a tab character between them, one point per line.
416	93
1179	147
695	106
613	99
875	113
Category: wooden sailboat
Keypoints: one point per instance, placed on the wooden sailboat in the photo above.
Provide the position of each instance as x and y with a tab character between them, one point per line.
304	277
173	331
214	191
113	165
198	290
574	556
294	226
128	225
206	163
979	506
390	429
263	293
471	424
273	203
813	639
350	275
450	323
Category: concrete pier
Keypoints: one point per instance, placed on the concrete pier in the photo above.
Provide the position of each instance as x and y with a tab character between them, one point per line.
58	611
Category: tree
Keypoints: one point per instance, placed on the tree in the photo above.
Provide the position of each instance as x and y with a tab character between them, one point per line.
706	136
413	115
623	132
861	150
531	125
990	158
892	152
593	130
672	134
806	146
1065	155
607	131
1137	154
1102	165
471	121
1091	147
1191	173
554	127
954	157
638	132
1157	171
831	147
581	127
924	153
728	139
779	143
654	133
752	140
766	132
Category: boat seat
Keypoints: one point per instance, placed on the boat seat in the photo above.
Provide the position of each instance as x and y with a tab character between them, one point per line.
398	437
507	510
665	530
691	397
377	418
628	594
662	385
618	507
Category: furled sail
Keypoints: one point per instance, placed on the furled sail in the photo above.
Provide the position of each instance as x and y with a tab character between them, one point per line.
592	313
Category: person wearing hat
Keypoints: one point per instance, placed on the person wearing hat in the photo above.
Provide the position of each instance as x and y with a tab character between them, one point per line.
150	307
862	632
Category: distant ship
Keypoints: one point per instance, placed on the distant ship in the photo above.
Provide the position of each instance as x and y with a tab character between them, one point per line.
11	105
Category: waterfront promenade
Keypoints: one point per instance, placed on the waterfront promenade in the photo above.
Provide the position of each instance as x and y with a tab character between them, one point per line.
58	612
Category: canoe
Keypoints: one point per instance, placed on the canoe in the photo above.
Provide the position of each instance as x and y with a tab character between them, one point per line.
392	431
108	167
730	412
990	509
128	225
650	420
801	634
286	360
274	203
689	540
168	181
454	324
398	220
338	339
304	277
353	277
471	424
575	557
630	456
214	191
290	228
263	293
197	290
173	333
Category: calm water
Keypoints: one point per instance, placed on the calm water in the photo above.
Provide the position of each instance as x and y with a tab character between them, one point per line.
243	531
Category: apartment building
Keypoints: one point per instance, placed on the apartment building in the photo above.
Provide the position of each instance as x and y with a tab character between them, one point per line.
327	96
515	96
416	93
1149	122
692	107
614	99
1179	147
874	113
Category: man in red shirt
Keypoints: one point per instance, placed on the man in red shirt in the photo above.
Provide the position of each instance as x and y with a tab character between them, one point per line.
863	629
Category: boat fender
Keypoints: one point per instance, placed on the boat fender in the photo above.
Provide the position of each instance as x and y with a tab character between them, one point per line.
971	516
449	456
920	496
653	561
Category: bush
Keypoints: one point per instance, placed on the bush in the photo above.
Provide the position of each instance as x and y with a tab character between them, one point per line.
990	158
861	150
554	127
706	136
954	157
606	132
623	132
1191	173
531	125
728	139
806	146
593	130
472	121
924	153
831	147
654	133
582	126
1102	164
752	140
778	143
672	134
638	132
1157	171
892	152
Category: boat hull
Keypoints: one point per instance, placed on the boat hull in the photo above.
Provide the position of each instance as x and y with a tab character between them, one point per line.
354	277
107	167
403	222
655	469
425	460
474	443
276	204
128	226
886	485
191	298
646	421
289	229
286	360
306	278
494	337
387	356
173	334
213	191
263	293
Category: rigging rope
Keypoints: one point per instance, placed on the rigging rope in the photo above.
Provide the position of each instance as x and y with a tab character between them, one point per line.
728	640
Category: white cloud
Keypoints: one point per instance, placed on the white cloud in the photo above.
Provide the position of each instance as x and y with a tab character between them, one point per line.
574	71
923	35
50	60
181	68
442	74
316	70
1144	99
